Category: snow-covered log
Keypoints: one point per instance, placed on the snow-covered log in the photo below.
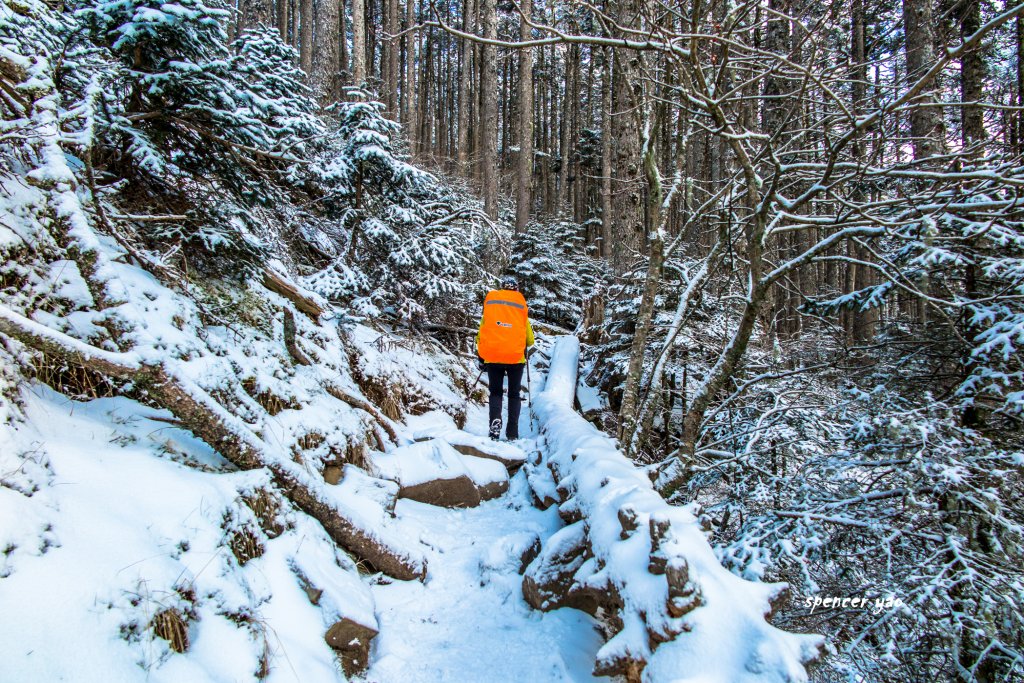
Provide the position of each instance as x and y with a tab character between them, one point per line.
675	612
208	420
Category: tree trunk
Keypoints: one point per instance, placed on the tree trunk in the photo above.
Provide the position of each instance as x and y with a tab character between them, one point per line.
256	13
606	155
358	43
524	184
209	421
282	19
926	124
972	75
645	316
393	53
325	51
306	36
466	86
489	109
409	93
627	185
565	140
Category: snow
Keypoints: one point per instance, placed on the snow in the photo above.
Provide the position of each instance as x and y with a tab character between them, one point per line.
468	622
589	397
437	424
126	534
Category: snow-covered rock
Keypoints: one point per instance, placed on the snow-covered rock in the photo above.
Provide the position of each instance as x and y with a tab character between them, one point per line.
429	472
489	477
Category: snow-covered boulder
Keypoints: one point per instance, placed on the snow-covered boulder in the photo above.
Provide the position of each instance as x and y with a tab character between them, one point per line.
489	477
429	472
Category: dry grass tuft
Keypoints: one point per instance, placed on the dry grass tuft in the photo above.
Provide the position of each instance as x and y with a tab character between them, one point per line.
268	400
310	440
266	506
170	625
73	381
245	545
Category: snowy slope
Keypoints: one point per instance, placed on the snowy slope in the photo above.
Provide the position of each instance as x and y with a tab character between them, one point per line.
112	514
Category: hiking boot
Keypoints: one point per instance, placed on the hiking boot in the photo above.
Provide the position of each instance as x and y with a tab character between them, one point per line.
495	431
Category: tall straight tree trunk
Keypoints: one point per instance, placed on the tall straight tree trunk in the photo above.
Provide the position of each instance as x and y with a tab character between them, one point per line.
393	49
489	109
627	204
926	125
256	13
358	43
423	142
606	155
466	86
524	181
568	104
1019	26
864	322
295	8
972	75
282	19
370	31
409	91
306	41
553	137
542	135
344	69
505	116
325	51
773	120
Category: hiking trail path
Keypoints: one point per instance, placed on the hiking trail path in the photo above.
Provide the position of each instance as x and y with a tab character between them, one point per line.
468	621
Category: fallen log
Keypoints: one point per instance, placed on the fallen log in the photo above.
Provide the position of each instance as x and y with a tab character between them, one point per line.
277	284
200	413
665	599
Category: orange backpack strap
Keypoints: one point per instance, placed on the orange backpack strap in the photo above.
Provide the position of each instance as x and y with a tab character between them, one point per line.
503	329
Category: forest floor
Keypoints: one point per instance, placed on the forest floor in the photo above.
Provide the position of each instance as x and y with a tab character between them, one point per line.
468	622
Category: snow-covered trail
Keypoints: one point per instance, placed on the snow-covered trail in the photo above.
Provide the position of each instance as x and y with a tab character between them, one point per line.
468	622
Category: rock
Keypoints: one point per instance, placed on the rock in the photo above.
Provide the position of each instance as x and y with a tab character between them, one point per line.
351	640
529	553
459	492
354	483
510	554
429	472
332	474
436	425
551	580
509	456
489	476
542	484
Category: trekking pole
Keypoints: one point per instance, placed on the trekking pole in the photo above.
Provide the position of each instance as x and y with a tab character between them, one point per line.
529	392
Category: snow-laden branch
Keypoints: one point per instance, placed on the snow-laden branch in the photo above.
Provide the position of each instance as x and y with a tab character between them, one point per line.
676	613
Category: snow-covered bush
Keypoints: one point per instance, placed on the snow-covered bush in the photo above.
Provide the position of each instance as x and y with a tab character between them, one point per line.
554	271
408	243
873	495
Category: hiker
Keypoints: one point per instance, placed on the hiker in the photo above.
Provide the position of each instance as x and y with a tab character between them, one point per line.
501	344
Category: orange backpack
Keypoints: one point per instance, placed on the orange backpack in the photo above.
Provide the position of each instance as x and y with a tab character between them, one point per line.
503	328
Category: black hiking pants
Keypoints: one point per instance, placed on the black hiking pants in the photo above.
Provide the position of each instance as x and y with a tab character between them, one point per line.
496	373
